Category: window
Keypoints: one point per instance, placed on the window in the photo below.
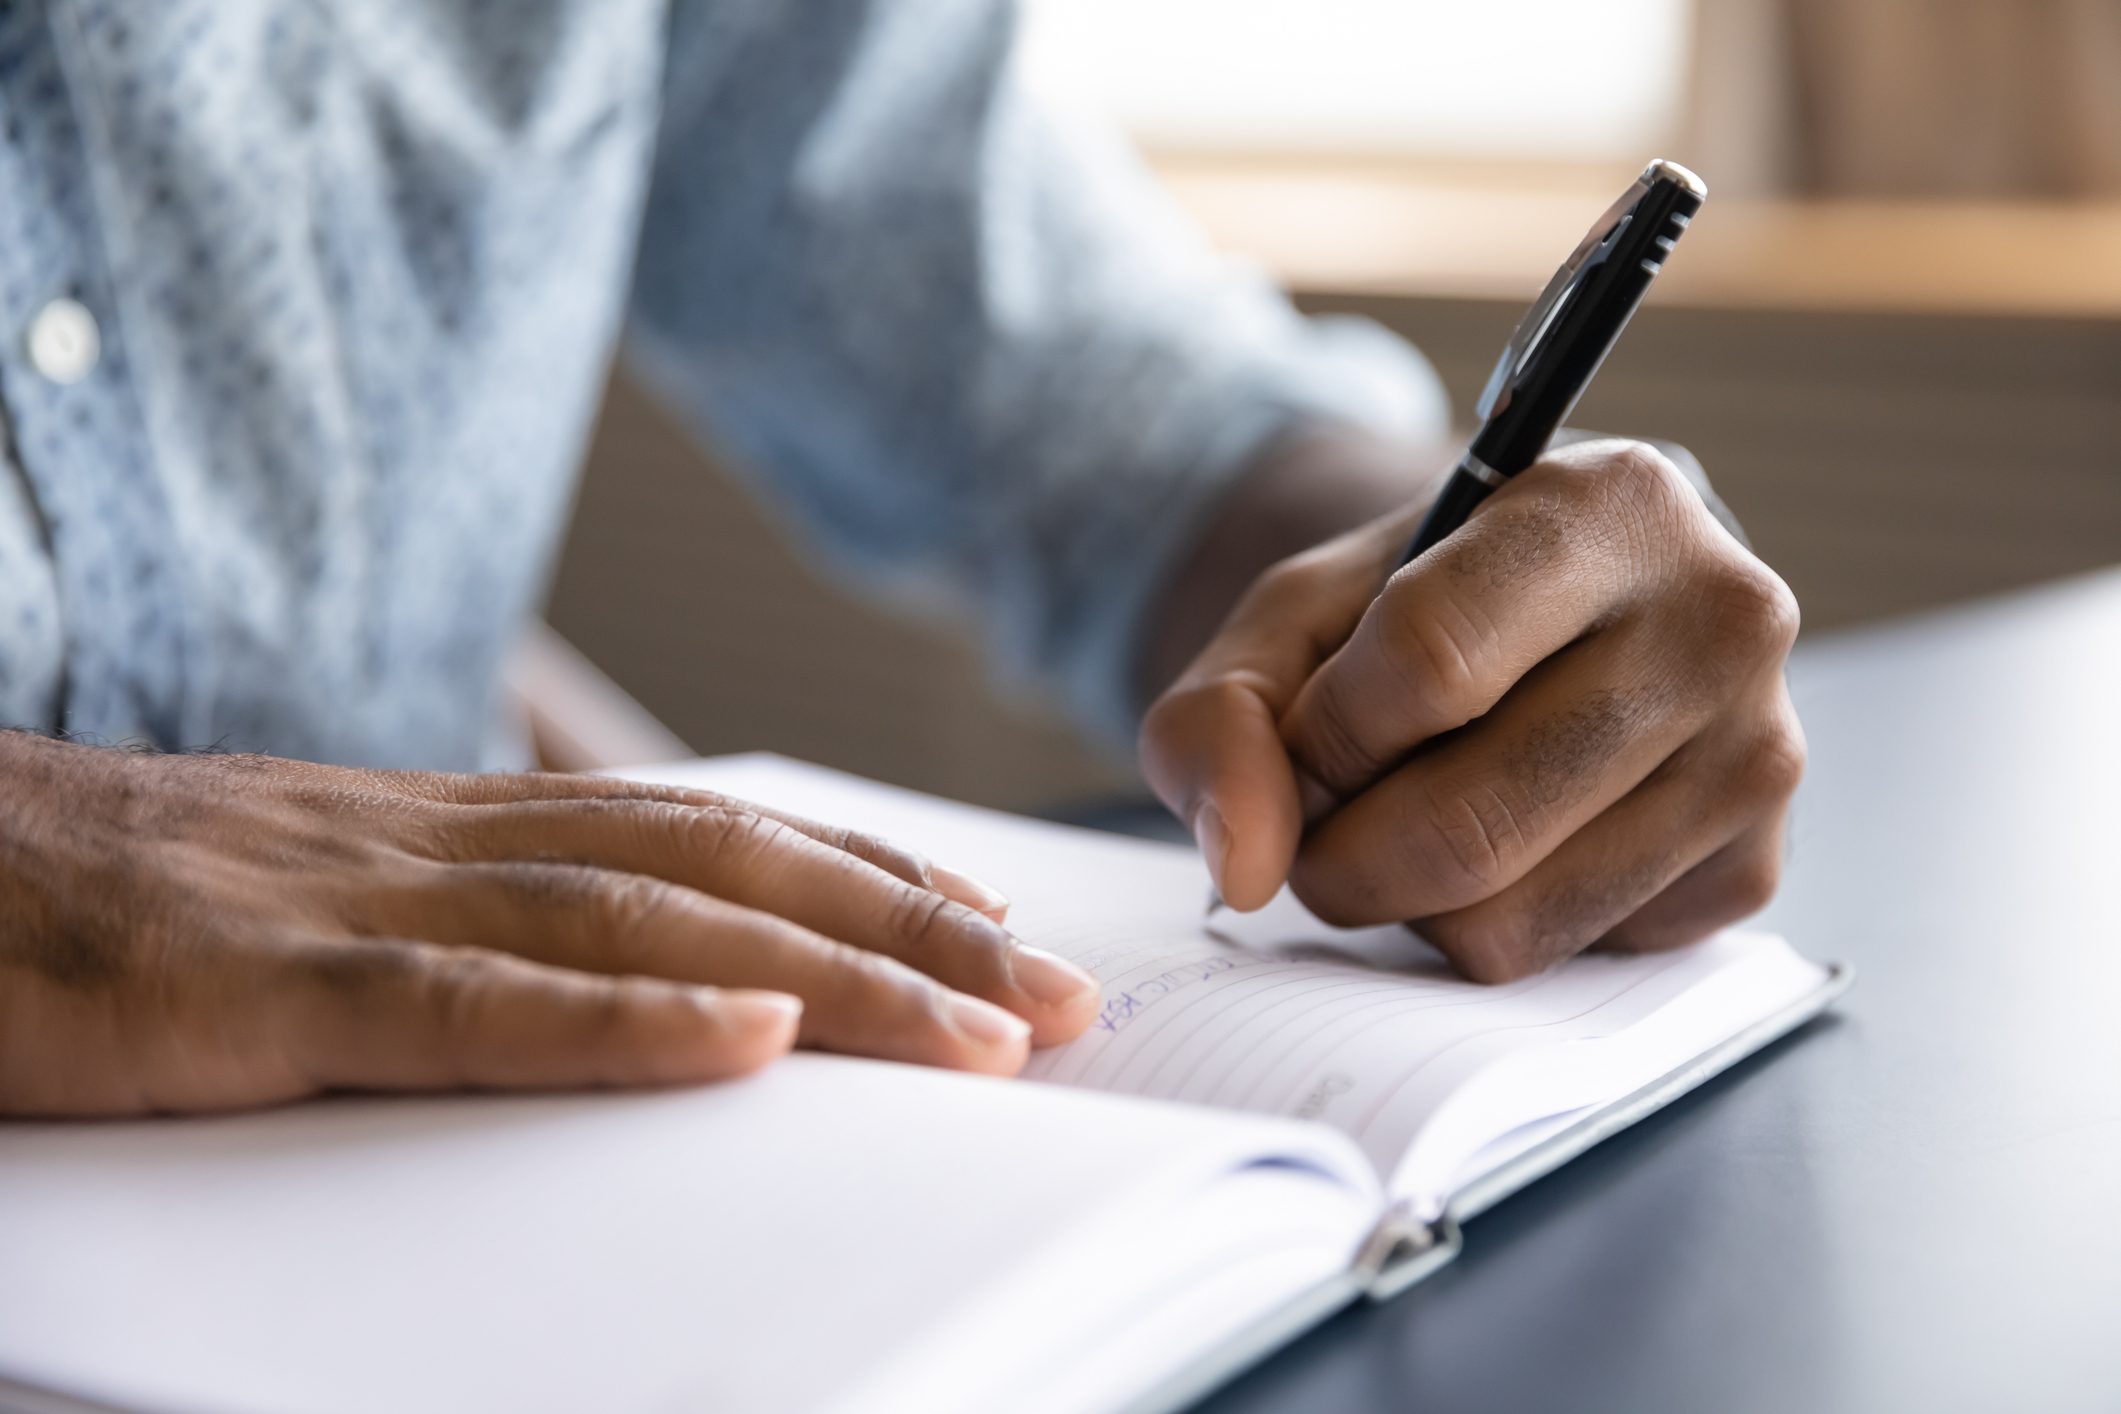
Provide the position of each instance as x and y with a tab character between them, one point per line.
1551	80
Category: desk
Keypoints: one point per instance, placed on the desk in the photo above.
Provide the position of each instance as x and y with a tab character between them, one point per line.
1915	1204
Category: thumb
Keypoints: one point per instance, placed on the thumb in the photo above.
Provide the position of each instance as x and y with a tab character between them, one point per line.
1211	746
1214	756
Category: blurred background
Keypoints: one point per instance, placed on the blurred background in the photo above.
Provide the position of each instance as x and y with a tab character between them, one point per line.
1894	337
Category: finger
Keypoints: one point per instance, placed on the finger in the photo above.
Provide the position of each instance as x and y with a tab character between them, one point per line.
594	920
1732	884
384	1015
1642	854
1215	758
764	864
1547	558
1210	747
1469	818
501	788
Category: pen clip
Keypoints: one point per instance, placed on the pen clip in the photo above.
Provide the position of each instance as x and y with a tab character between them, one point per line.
1555	298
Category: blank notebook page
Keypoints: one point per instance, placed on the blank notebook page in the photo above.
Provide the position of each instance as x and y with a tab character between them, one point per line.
1367	1030
797	1240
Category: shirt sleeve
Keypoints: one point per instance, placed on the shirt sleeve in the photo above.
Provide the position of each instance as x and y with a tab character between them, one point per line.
961	339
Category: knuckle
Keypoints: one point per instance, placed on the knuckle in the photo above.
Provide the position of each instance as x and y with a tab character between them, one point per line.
1199	705
1568	486
628	907
1222	701
1639	469
430	787
1640	479
428	829
1437	653
1469	839
738	839
362	974
1610	469
1182	724
1291	584
609	1013
1163	745
1773	764
453	986
893	859
1160	727
924	923
538	883
463	788
1753	612
1750	884
1327	745
1574	908
658	821
1644	489
688	796
606	911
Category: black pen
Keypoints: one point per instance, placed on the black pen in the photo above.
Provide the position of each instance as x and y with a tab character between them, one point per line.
1557	349
1563	339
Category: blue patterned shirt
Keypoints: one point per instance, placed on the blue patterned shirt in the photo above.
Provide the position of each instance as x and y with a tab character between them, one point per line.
305	308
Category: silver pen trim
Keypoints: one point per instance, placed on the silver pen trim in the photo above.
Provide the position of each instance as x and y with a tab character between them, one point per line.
1480	471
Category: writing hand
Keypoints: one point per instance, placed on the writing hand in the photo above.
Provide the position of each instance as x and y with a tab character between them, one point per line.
203	932
1566	724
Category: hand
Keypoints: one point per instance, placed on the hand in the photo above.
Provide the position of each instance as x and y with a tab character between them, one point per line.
1565	725
201	932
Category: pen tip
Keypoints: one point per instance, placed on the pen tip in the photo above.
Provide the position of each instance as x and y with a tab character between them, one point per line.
1215	901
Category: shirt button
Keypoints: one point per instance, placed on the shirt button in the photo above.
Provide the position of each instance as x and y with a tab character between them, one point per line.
64	342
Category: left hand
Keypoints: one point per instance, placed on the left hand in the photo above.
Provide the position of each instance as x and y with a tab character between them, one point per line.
1565	725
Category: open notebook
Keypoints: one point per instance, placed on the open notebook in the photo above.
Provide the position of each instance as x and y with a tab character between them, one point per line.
1268	1119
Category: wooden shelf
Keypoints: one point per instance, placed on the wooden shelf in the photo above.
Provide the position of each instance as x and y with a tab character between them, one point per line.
1378	230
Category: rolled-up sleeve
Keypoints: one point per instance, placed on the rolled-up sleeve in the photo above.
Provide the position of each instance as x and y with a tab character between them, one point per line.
961	339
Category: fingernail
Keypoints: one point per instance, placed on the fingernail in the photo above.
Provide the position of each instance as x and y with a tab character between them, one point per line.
969	891
1051	980
987	1023
757	1011
1214	838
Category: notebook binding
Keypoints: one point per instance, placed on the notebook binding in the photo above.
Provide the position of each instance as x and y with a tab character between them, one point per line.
1404	1248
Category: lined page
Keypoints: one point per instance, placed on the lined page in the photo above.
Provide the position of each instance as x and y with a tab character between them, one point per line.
1274	1013
1368	1031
